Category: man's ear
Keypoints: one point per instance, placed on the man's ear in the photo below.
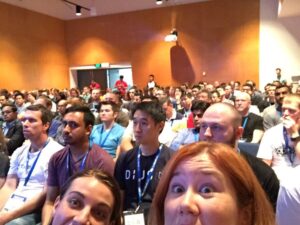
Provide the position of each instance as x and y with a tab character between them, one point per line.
89	129
161	126
116	115
46	126
56	203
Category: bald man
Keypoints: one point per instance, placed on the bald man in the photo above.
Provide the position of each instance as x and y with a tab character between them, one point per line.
251	123
221	122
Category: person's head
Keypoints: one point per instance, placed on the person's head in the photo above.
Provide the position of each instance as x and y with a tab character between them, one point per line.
160	94
280	92
228	90
215	97
148	122
89	197
31	97
19	99
198	109
108	111
137	98
45	101
278	71
78	122
178	92
248	88
167	105
96	93
151	77
130	94
74	92
86	90
237	85
36	121
221	122
195	90
209	87
243	103
121	77
204	95
113	97
62	106
209	183
9	112
291	108
186	101
3	99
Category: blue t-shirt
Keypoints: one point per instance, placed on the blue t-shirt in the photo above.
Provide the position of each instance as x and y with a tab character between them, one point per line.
109	140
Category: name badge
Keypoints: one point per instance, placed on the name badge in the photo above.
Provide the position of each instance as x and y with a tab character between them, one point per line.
14	202
132	218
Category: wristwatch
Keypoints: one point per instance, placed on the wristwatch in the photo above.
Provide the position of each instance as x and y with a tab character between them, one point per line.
294	137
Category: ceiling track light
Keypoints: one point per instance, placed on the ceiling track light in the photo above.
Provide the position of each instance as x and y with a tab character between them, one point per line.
159	2
173	36
77	7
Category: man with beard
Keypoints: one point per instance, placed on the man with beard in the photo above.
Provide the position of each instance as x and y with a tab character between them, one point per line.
76	156
221	122
24	190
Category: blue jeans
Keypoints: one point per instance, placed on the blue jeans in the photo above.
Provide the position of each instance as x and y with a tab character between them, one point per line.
29	219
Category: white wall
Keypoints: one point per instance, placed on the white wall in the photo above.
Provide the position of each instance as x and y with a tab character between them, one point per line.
279	43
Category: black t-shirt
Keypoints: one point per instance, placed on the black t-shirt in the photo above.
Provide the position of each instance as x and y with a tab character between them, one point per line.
4	164
254	122
126	175
266	177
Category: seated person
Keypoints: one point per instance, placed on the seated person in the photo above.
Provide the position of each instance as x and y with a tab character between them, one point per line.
145	162
252	123
89	197
108	134
191	135
209	183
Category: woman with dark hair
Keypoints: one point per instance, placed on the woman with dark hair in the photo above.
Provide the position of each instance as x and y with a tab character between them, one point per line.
89	197
209	184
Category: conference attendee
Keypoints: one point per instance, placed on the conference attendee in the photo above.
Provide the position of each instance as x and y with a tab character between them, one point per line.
4	160
24	190
288	203
20	102
151	83
12	128
121	85
209	183
221	122
108	134
138	170
272	114
95	100
278	145
76	156
190	135
252	123
89	197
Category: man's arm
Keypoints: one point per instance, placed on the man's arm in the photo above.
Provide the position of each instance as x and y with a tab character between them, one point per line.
8	188
16	140
257	136
52	193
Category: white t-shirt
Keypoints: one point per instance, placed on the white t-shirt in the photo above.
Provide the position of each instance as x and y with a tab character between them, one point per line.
20	165
272	147
288	202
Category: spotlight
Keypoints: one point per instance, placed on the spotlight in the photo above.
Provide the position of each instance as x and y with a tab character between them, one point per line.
78	10
173	36
159	2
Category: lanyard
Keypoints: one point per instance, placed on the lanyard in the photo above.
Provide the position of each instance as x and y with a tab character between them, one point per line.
149	174
34	163
82	164
245	122
289	150
103	142
196	135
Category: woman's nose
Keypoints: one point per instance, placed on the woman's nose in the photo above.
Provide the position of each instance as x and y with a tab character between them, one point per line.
189	205
83	217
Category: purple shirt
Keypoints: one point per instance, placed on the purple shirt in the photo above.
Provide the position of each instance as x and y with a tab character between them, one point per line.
58	172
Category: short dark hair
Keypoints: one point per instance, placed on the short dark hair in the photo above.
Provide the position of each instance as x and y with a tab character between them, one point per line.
46	113
154	109
248	85
12	106
105	179
88	116
114	106
199	105
19	94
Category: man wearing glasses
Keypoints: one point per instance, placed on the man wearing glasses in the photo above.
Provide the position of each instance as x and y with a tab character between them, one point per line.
12	128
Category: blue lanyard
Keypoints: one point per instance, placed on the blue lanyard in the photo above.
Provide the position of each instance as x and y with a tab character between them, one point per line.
34	163
82	164
103	142
245	122
149	174
289	150
196	135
